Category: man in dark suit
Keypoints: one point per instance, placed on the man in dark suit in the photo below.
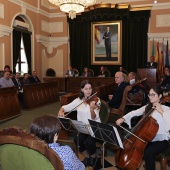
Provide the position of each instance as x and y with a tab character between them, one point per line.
152	63
16	81
116	99
34	78
107	36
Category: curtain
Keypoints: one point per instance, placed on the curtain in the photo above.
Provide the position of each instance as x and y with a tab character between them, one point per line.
27	46
134	38
16	48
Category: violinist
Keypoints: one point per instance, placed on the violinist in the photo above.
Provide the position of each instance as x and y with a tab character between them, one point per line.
161	114
85	110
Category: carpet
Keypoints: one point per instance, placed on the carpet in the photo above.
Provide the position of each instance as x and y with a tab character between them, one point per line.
98	164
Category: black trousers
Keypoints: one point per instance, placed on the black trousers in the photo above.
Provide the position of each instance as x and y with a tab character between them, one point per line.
108	51
152	150
86	142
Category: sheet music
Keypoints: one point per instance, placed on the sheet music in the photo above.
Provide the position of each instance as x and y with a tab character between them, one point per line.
80	126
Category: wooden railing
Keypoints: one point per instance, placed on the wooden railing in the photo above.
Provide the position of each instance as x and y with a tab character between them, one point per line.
9	103
39	94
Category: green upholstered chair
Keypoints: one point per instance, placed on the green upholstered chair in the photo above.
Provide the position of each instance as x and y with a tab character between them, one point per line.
20	150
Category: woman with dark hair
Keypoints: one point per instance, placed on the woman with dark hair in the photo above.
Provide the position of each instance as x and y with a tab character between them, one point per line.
85	111
47	128
161	114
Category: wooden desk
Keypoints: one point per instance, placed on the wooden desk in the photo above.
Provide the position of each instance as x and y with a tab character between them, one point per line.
9	103
148	73
39	94
61	82
72	84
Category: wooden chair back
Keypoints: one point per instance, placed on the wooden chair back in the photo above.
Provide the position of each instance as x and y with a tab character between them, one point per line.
120	110
26	151
92	72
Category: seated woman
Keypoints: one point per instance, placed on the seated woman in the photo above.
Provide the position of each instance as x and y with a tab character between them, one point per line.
161	115
86	73
102	72
47	128
85	111
25	80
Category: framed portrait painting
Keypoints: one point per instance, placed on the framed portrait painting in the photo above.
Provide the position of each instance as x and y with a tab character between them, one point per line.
106	41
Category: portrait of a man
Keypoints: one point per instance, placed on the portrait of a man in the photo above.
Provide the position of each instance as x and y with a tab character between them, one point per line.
106	43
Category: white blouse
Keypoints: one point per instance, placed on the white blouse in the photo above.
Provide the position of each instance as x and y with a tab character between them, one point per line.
162	120
83	111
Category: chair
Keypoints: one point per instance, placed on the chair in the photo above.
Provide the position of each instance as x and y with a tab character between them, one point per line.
50	72
120	111
92	72
76	72
21	150
107	73
164	158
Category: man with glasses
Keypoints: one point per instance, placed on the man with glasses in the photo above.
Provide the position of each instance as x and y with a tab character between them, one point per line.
6	81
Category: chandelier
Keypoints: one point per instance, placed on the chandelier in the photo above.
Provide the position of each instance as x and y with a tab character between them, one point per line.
72	6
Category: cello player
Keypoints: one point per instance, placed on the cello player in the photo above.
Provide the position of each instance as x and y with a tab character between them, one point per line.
161	114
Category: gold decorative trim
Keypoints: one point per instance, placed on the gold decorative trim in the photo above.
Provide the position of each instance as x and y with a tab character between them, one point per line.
141	8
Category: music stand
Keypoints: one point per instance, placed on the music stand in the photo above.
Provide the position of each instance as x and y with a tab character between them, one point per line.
106	133
76	126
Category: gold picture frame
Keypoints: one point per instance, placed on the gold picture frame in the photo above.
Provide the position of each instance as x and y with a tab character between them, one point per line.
99	52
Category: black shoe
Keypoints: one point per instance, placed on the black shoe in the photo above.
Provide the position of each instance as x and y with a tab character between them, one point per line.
92	161
85	161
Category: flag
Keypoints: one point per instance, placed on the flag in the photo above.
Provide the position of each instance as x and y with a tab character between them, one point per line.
157	52
167	55
161	63
97	34
153	48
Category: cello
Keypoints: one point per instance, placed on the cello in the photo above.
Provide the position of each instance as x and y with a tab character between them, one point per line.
130	157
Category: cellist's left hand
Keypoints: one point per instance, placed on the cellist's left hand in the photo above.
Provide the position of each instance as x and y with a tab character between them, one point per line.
158	107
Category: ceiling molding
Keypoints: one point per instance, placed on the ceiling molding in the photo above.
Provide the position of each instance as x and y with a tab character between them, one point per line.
52	42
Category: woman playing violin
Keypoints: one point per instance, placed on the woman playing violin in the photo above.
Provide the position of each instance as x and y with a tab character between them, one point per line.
161	114
86	110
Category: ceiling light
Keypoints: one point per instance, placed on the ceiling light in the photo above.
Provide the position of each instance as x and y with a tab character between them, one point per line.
72	6
155	2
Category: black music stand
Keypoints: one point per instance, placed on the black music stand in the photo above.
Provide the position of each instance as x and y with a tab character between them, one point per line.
106	133
76	126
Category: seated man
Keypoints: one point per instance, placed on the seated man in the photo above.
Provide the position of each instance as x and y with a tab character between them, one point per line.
70	72
17	81
152	63
34	78
6	81
116	99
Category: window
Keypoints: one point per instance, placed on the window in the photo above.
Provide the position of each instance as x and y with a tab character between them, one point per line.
22	64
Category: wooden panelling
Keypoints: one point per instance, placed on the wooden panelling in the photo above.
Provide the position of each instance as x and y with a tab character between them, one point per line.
9	103
35	95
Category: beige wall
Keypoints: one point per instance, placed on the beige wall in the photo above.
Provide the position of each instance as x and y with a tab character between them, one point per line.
45	19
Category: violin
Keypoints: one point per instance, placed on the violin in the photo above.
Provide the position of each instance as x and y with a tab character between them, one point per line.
93	98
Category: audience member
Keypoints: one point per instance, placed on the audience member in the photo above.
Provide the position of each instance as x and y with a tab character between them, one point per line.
70	72
6	81
17	81
152	63
123	70
25	79
85	111
6	68
86	73
47	128
166	79
116	99
34	78
102	72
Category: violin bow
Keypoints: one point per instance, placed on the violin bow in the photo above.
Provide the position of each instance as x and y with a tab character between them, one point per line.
80	104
